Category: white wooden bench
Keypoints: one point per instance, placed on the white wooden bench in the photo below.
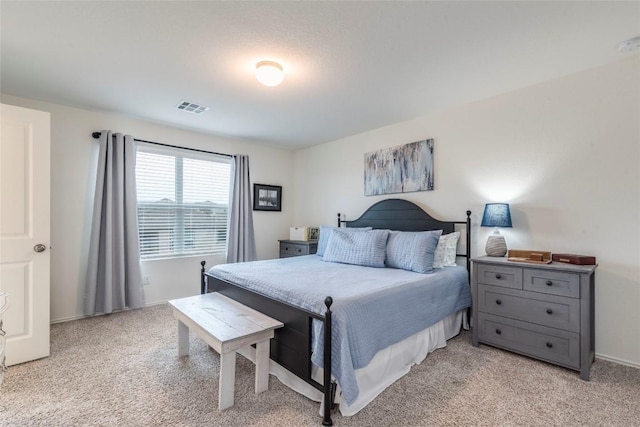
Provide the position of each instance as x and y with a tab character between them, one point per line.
227	326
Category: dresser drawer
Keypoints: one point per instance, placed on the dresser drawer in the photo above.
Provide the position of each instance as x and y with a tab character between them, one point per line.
552	345
289	249
548	310
293	249
552	282
499	275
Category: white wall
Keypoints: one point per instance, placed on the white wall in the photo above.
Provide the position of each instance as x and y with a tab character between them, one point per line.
565	154
73	167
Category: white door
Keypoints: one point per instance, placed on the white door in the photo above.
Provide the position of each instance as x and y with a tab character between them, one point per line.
24	231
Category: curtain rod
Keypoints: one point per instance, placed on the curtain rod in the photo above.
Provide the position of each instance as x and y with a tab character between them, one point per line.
96	135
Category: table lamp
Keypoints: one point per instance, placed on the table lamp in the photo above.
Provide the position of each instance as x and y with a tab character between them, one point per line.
496	215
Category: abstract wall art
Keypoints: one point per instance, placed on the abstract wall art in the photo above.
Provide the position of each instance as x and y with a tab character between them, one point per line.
401	169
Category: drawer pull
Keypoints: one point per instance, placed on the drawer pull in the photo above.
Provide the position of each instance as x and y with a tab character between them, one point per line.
498	276
549	345
498	331
286	248
549	311
549	283
299	250
498	301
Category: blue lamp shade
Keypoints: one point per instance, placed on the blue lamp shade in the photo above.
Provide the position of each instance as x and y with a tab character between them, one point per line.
496	215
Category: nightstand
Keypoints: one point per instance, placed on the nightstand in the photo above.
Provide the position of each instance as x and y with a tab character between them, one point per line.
289	248
545	311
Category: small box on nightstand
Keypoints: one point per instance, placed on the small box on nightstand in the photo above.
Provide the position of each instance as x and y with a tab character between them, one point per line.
299	233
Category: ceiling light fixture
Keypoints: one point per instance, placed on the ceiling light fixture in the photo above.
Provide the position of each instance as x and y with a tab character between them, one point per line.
629	44
269	73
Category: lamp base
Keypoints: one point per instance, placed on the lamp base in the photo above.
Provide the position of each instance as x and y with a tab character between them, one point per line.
496	246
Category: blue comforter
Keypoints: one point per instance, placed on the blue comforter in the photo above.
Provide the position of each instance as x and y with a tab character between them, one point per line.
372	307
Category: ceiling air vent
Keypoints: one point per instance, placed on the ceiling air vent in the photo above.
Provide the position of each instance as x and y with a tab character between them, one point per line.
191	107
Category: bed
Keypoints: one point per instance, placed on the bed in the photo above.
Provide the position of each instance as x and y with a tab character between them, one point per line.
343	337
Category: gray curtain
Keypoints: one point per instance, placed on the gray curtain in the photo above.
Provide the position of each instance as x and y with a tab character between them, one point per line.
241	244
114	277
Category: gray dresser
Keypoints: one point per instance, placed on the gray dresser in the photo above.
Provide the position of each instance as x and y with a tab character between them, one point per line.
289	248
545	311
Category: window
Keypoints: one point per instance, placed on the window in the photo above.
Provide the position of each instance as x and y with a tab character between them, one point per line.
183	199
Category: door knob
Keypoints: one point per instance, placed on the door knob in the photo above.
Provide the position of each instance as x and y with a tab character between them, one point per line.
39	247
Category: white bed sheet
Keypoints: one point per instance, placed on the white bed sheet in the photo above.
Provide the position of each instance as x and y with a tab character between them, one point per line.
386	367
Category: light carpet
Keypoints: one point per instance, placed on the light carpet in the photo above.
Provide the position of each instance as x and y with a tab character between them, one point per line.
123	370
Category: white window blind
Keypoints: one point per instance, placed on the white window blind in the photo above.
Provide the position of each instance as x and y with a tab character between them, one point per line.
183	199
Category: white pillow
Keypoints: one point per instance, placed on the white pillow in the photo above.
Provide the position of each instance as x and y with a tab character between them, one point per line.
445	255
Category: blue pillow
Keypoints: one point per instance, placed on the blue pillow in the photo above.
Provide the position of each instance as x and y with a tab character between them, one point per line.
366	248
412	250
325	232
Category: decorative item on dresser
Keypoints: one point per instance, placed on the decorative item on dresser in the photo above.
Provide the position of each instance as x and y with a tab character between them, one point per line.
496	215
545	311
289	248
314	233
299	233
535	257
574	259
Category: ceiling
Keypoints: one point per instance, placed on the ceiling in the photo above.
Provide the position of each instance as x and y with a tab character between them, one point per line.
350	66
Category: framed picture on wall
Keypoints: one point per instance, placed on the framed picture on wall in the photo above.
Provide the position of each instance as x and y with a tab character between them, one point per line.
267	197
401	169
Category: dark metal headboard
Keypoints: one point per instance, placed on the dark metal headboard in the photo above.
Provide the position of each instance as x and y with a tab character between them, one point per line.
403	215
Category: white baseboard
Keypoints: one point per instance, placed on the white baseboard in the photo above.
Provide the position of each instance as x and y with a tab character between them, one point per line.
618	361
82	316
67	319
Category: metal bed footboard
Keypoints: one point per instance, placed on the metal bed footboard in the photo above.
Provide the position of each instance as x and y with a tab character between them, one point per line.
291	344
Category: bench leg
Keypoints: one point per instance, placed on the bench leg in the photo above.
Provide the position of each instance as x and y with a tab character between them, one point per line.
262	366
227	380
183	339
